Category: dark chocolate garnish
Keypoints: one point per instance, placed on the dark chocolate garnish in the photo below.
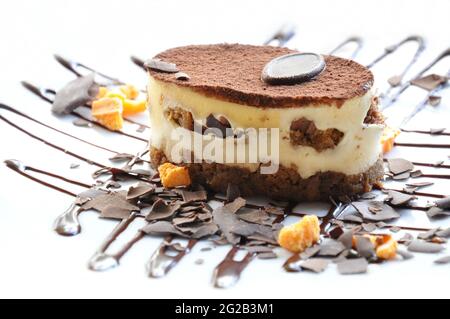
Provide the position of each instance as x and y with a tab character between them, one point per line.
293	68
443	260
353	266
398	199
139	190
399	165
429	82
364	247
331	248
161	228
161	210
315	264
375	210
76	93
161	66
420	246
181	76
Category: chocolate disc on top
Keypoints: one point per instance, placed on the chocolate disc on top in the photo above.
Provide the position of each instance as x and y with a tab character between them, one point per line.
293	68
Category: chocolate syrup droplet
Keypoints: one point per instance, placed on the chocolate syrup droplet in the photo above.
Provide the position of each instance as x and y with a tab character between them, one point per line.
102	262
67	223
293	68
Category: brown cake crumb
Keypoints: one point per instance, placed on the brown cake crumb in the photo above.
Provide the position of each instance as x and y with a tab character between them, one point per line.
374	116
182	117
304	132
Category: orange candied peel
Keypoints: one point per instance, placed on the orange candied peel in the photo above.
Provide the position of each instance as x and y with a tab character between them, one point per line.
102	91
108	111
301	235
173	175
388	138
130	91
131	107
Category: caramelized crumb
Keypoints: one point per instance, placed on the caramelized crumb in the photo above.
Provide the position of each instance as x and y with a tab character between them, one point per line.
301	235
172	175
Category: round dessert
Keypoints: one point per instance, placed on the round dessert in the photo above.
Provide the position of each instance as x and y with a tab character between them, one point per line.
324	133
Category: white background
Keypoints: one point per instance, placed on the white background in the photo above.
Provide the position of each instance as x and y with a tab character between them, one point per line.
34	262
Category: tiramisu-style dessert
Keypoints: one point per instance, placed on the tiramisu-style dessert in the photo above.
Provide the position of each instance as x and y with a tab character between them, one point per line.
329	124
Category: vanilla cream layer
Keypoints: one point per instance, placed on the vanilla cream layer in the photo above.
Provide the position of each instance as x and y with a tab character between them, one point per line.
358	150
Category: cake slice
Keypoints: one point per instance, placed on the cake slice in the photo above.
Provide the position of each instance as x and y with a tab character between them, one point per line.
327	134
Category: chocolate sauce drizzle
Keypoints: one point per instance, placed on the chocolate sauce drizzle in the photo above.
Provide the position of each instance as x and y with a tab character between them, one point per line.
282	36
357	40
228	272
161	262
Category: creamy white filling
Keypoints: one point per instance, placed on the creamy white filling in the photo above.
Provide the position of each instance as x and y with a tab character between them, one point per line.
358	150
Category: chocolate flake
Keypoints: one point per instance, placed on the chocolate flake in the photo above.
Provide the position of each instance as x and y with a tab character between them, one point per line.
141	129
310	252
443	233
429	82
161	66
436	212
110	205
76	93
364	247
347	239
315	264
443	203
434	100
405	254
437	130
161	228
199	261
375	210
268	255
395	80
161	210
195	196
420	246
226	219
421	184
181	76
399	165
81	123
141	189
121	157
330	247
401	176
353	266
74	165
416	173
398	199
443	260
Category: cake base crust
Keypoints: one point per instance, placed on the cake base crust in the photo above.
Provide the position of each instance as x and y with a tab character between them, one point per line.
286	184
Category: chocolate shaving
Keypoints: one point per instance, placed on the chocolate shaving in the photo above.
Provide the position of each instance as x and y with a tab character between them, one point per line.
256	216
416	173
76	93
225	218
141	189
428	234
443	260
434	100
330	247
429	82
74	165
161	228
369	227
196	196
364	247
111	205
161	210
421	184
437	130
268	255
121	157
443	233
399	165
443	203
310	252
315	264
81	123
398	199
347	239
395	80
353	266
181	76
436	212
258	249
420	246
401	176
405	254
375	211
161	66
